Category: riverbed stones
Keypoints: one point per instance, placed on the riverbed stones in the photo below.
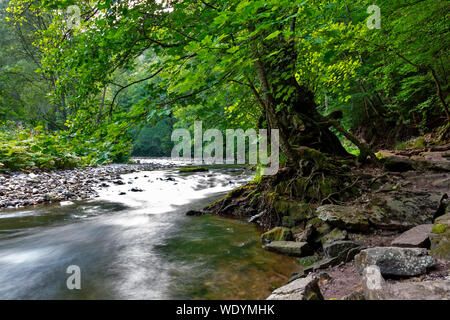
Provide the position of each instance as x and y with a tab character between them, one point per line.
344	217
300	289
290	248
376	288
19	189
440	237
373	283
415	237
277	234
394	261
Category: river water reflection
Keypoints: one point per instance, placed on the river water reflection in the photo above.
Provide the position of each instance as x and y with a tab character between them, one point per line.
139	245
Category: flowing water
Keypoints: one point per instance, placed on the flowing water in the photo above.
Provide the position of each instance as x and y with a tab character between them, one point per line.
140	245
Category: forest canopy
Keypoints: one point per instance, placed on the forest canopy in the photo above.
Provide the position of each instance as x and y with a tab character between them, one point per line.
313	69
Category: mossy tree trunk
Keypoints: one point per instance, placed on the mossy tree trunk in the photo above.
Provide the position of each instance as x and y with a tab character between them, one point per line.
289	106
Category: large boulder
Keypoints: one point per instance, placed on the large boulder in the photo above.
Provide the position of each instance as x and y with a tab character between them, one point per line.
402	210
344	217
394	261
415	237
440	237
375	288
300	289
290	248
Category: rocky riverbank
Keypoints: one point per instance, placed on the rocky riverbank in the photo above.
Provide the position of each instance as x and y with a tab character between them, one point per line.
390	241
393	243
19	189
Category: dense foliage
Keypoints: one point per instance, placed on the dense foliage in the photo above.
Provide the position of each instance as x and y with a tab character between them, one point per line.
154	65
31	148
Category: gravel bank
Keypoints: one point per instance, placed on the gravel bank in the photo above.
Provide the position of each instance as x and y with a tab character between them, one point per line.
19	189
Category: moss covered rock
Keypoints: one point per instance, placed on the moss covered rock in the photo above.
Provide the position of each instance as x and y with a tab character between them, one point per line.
294	212
394	261
439	228
440	237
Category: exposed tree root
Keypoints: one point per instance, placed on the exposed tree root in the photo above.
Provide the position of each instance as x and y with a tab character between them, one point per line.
314	181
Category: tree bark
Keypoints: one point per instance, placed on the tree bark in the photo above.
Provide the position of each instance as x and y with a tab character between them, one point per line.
294	111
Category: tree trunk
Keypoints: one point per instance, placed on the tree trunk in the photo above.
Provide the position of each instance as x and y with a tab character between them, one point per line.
291	108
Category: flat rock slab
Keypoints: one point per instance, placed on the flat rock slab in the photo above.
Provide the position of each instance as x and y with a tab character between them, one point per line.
397	164
290	248
427	160
300	289
344	217
402	210
394	261
415	237
375	288
425	290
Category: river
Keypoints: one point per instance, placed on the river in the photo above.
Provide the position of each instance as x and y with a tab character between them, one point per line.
139	245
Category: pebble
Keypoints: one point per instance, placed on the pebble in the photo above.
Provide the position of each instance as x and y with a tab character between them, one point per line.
20	189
